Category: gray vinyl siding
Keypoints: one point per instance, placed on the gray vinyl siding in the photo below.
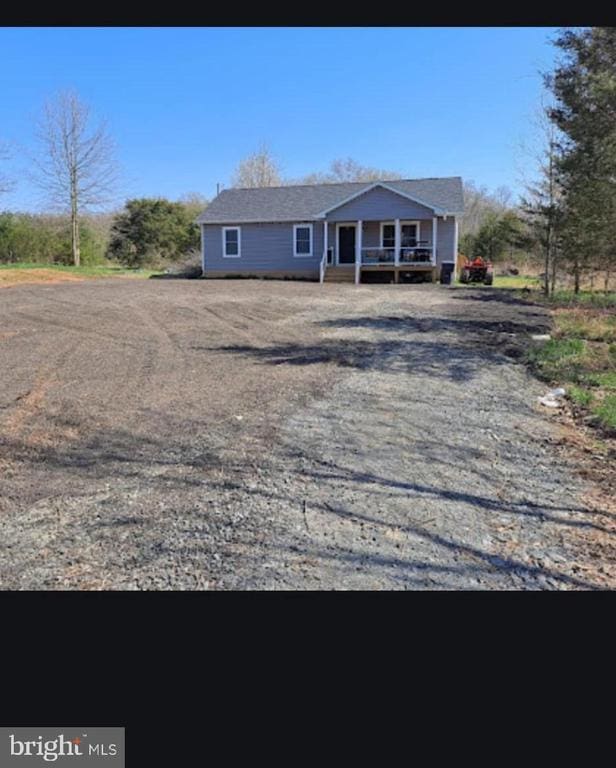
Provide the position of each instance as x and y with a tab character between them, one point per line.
264	248
371	234
445	236
269	247
380	204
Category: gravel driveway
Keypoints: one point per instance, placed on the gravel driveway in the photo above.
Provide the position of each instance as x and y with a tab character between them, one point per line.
271	435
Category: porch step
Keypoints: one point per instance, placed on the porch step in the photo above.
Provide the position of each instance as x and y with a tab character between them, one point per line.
334	274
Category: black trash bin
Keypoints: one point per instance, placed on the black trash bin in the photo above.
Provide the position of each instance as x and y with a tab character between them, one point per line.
447	273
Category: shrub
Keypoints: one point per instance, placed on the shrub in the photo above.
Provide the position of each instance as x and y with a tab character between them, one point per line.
152	231
45	239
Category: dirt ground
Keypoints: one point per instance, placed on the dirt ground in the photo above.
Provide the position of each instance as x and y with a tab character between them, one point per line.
174	434
11	277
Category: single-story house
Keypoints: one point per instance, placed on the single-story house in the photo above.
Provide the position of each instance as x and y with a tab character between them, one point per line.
334	231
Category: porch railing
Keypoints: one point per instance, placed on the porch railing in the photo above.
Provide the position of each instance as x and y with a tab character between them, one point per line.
408	255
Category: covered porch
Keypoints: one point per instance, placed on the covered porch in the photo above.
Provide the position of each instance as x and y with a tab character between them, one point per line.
395	246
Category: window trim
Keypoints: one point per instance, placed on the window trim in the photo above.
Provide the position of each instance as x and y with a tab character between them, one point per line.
416	222
309	227
226	255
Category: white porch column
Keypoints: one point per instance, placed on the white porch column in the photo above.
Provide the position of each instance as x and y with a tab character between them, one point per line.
358	240
325	228
323	265
397	240
434	232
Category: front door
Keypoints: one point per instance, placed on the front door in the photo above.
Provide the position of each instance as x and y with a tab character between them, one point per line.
346	244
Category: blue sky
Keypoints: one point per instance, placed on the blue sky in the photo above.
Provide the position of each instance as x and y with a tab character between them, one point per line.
186	104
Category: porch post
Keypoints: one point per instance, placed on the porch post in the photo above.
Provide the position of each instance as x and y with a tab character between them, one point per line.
360	227
397	242
325	228
434	240
323	265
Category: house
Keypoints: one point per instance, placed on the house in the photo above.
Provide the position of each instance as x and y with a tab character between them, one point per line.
334	231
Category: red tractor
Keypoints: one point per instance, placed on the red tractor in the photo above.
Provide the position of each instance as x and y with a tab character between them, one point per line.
477	271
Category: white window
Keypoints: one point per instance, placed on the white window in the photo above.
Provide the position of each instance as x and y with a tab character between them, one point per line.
231	242
409	234
302	239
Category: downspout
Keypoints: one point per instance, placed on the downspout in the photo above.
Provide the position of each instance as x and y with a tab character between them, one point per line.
202	250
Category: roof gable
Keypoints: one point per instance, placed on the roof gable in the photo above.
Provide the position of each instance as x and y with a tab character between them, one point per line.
383	185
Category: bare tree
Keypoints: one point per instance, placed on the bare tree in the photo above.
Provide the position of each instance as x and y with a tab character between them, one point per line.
542	203
75	165
350	170
480	204
347	169
260	169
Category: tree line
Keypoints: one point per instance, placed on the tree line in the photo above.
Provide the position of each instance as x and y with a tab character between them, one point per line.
74	165
571	204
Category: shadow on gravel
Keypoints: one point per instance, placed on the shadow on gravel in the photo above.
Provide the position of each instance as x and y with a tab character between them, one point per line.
107	455
495	295
406	323
353	558
488	562
526	508
434	359
176	276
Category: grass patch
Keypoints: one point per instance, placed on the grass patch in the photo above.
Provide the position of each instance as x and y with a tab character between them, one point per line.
507	281
581	396
606	411
559	359
516	281
591	299
581	356
606	380
585	324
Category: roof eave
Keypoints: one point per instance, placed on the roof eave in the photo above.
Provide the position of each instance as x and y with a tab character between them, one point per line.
262	220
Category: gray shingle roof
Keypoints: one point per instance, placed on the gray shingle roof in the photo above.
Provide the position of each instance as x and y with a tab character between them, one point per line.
302	202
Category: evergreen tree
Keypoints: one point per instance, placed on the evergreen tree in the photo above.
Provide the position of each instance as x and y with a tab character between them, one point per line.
584	88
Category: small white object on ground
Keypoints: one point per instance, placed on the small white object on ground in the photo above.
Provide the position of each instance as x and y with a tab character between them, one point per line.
541	337
552	399
549	401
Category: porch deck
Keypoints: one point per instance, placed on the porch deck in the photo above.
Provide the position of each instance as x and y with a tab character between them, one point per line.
346	273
